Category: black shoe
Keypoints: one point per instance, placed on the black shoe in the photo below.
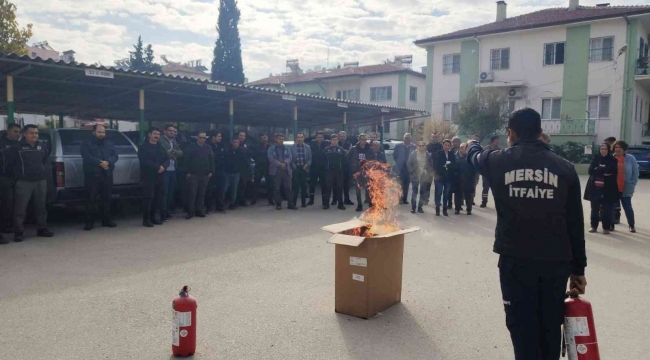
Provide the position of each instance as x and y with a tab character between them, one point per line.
156	222
437	211
147	223
271	203
483	205
444	212
19	237
449	206
220	210
109	224
232	207
469	212
334	202
613	228
208	212
348	202
473	203
326	207
404	202
632	229
292	207
412	210
3	241
254	202
243	203
163	217
201	215
341	207
420	210
278	207
189	216
44	233
457	212
359	208
304	204
89	226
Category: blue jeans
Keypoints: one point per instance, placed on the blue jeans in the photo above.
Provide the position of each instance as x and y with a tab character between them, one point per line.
168	189
443	190
230	184
629	212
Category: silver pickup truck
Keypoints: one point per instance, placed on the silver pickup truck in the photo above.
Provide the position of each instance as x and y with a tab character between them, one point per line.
67	165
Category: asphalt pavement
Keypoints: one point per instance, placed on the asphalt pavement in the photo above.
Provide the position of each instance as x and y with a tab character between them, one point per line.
264	282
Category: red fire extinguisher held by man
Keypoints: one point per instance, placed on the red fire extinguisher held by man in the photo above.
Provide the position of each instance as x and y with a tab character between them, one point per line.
579	329
184	324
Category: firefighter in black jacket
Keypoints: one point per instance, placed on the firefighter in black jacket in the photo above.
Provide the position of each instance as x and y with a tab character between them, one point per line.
28	163
199	167
99	158
334	165
153	162
317	172
539	234
8	139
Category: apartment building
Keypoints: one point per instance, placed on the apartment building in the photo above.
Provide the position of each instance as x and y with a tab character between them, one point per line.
585	69
391	84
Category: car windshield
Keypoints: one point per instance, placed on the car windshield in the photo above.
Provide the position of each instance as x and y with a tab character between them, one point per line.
71	141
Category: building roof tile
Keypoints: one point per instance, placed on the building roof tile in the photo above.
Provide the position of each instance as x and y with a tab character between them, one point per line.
542	18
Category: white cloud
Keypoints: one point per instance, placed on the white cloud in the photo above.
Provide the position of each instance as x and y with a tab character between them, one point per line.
272	31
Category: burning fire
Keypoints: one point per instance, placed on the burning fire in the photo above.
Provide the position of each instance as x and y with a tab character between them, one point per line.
385	193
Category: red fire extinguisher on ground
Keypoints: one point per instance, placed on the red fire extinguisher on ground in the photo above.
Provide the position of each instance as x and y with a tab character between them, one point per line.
184	324
579	329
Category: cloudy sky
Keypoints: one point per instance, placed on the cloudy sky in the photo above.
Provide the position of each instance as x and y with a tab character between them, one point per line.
271	31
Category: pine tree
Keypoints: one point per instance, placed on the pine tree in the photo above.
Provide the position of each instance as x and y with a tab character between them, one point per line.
12	39
136	58
148	61
227	64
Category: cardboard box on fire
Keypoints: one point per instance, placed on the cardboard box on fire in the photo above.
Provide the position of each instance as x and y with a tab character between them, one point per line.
368	271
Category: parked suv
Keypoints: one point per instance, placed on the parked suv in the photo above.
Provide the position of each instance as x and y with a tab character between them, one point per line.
67	165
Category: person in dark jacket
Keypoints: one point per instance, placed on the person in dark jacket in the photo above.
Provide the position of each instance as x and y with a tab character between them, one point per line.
260	155
301	161
359	153
377	152
99	158
245	174
494	145
171	177
199	167
347	174
433	147
317	172
334	163
445	171
8	139
213	198
27	165
235	162
401	154
539	234
153	163
421	174
466	182
602	189
280	158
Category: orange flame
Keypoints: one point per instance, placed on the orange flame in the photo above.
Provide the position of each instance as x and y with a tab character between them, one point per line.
384	191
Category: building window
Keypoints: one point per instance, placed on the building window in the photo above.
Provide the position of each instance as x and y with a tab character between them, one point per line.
384	93
413	94
450	111
499	59
352	95
599	107
554	53
601	49
551	108
451	64
509	106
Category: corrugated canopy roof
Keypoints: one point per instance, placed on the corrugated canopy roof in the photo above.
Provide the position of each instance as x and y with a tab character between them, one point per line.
542	18
54	87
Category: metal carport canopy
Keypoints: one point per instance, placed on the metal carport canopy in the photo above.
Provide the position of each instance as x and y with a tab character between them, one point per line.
87	91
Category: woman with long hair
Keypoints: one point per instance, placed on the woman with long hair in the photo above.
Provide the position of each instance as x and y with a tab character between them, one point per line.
602	189
628	175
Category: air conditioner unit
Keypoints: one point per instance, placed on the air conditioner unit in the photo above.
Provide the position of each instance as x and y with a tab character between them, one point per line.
486	76
515	93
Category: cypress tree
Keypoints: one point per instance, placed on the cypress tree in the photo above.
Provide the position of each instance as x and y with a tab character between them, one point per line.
227	64
136	57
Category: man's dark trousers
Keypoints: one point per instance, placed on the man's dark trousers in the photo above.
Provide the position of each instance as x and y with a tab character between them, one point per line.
299	184
282	179
486	190
101	186
405	179
262	172
23	192
6	204
168	192
213	199
316	176
242	189
346	183
196	188
151	198
533	298
333	185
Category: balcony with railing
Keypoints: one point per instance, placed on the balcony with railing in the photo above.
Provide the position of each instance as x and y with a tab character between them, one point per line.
569	127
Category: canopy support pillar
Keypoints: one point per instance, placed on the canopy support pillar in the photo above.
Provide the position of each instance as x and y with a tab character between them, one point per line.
295	122
231	116
10	100
345	121
141	122
61	122
381	132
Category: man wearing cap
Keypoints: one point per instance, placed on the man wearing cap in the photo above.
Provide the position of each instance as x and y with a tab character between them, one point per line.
539	234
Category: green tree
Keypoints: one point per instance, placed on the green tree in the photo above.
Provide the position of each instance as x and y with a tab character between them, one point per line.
12	38
149	60
227	64
482	113
136	57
